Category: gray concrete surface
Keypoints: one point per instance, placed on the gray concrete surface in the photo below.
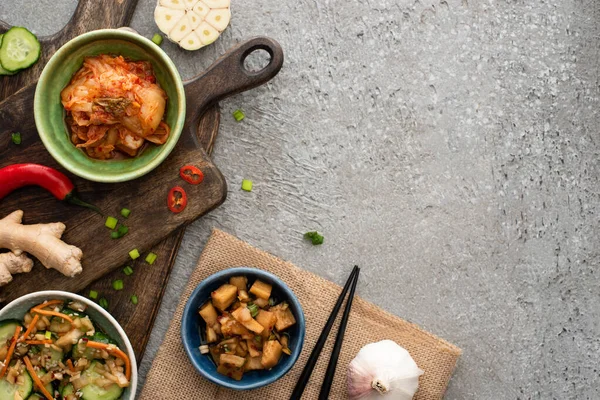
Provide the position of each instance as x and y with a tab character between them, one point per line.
448	147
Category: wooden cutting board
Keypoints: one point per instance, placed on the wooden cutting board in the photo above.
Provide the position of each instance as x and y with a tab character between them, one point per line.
152	226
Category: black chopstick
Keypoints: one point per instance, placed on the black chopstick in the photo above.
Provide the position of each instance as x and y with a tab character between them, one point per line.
314	355
335	354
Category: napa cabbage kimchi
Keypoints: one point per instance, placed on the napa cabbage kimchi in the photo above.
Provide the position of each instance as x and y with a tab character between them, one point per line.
114	106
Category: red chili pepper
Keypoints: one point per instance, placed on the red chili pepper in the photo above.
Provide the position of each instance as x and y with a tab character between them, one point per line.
19	175
177	199
191	174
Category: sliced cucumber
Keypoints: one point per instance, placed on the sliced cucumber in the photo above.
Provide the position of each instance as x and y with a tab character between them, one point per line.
41	372
2	70
67	390
36	396
20	49
93	392
8	390
7	329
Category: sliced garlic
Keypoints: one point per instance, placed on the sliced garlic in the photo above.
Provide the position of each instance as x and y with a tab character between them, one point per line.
191	42
181	30
218	18
192	23
167	18
207	33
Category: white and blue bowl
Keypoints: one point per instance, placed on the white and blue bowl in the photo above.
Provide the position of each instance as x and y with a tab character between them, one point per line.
192	325
16	309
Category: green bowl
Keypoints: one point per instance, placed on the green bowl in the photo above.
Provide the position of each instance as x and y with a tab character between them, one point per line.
50	115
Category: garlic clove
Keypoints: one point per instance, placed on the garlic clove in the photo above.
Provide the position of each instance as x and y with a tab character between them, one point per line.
167	18
217	3
194	19
189	4
173	4
181	30
201	9
219	18
191	42
207	33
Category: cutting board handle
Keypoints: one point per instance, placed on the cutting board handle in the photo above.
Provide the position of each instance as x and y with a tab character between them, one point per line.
228	76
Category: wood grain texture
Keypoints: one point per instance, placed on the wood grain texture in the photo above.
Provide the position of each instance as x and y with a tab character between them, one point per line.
148	282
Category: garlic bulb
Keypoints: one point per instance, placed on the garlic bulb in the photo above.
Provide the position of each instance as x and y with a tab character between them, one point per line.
192	24
383	368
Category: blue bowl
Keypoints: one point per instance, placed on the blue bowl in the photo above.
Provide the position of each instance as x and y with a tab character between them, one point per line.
192	324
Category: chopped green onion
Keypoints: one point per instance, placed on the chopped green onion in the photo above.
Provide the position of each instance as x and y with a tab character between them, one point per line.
247	185
103	303
272	336
125	212
157	39
134	254
93	294
150	258
253	309
48	335
258	339
122	231
134	299
239	115
128	270
111	222
16	138
118	284
114	235
314	237
271	301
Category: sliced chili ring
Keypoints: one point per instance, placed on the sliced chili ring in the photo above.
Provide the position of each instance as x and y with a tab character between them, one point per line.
177	199
191	174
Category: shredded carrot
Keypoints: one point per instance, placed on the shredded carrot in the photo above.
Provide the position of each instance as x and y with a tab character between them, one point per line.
70	365
116	352
54	313
30	327
39	309
36	379
48	303
11	350
32	342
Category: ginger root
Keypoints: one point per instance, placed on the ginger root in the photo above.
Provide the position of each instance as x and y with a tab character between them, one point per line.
42	241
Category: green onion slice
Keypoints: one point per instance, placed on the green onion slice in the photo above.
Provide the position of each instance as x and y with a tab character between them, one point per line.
118	284
93	294
151	258
111	222
239	115
16	138
103	303
134	254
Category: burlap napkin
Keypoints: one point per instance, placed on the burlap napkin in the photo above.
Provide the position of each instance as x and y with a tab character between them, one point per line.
172	376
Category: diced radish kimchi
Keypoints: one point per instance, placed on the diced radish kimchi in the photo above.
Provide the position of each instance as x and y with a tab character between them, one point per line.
114	106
